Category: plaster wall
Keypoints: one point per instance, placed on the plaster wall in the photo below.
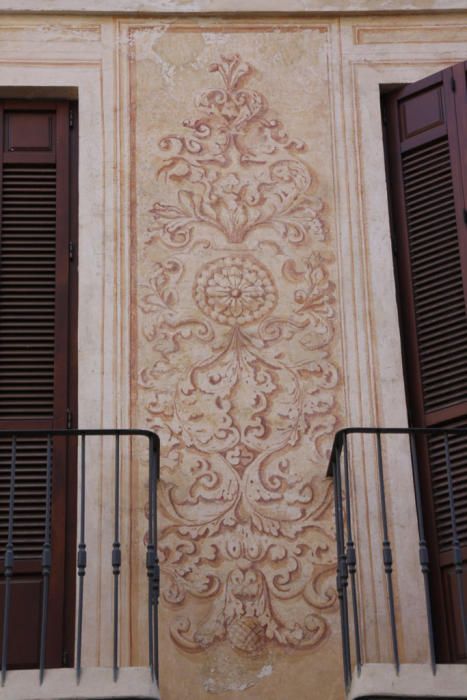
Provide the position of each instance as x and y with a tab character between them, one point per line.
237	295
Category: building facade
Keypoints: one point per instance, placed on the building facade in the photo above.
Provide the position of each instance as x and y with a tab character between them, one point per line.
236	294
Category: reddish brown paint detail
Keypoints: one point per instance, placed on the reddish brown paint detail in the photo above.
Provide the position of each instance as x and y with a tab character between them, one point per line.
427	141
35	134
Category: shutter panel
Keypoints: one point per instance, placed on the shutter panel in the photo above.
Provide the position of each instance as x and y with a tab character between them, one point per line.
436	272
428	164
34	359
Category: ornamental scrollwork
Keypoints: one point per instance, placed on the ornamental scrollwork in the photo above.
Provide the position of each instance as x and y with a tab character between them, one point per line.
229	178
239	312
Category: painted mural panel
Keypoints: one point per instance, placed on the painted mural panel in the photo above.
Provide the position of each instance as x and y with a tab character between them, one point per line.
236	356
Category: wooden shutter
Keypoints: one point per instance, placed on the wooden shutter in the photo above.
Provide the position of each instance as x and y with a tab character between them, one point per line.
428	170
35	379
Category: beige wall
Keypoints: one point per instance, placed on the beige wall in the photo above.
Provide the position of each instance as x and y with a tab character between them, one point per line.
236	295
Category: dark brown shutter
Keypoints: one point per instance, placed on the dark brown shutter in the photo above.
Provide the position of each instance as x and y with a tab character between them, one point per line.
428	170
34	359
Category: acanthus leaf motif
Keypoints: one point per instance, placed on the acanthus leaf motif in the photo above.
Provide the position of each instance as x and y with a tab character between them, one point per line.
270	191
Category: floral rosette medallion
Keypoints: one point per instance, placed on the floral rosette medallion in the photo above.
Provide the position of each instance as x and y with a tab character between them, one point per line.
235	290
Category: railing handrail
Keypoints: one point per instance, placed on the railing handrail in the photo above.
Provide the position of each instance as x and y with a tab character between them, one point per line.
96	432
343	432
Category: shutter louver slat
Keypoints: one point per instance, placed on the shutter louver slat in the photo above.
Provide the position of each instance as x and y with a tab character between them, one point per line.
439	299
30	495
27	283
458	454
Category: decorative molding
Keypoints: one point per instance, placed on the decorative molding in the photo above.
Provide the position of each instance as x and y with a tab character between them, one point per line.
184	7
49	32
425	34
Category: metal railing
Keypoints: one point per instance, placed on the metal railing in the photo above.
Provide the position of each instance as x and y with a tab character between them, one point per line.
115	556
342	469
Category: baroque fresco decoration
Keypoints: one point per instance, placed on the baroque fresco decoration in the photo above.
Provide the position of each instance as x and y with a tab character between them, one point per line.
238	314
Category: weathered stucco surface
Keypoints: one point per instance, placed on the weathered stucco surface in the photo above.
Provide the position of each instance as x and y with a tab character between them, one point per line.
237	295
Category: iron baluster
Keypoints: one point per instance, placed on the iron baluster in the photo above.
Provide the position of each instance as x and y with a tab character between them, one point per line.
387	554
352	557
46	560
156	580
342	571
423	551
82	558
151	564
116	555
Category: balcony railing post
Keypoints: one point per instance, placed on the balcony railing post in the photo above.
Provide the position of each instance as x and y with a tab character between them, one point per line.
9	560
387	553
342	570
151	560
423	551
156	580
46	560
82	557
351	556
116	555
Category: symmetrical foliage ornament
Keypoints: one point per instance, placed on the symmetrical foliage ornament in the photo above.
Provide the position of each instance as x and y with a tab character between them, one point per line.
239	315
